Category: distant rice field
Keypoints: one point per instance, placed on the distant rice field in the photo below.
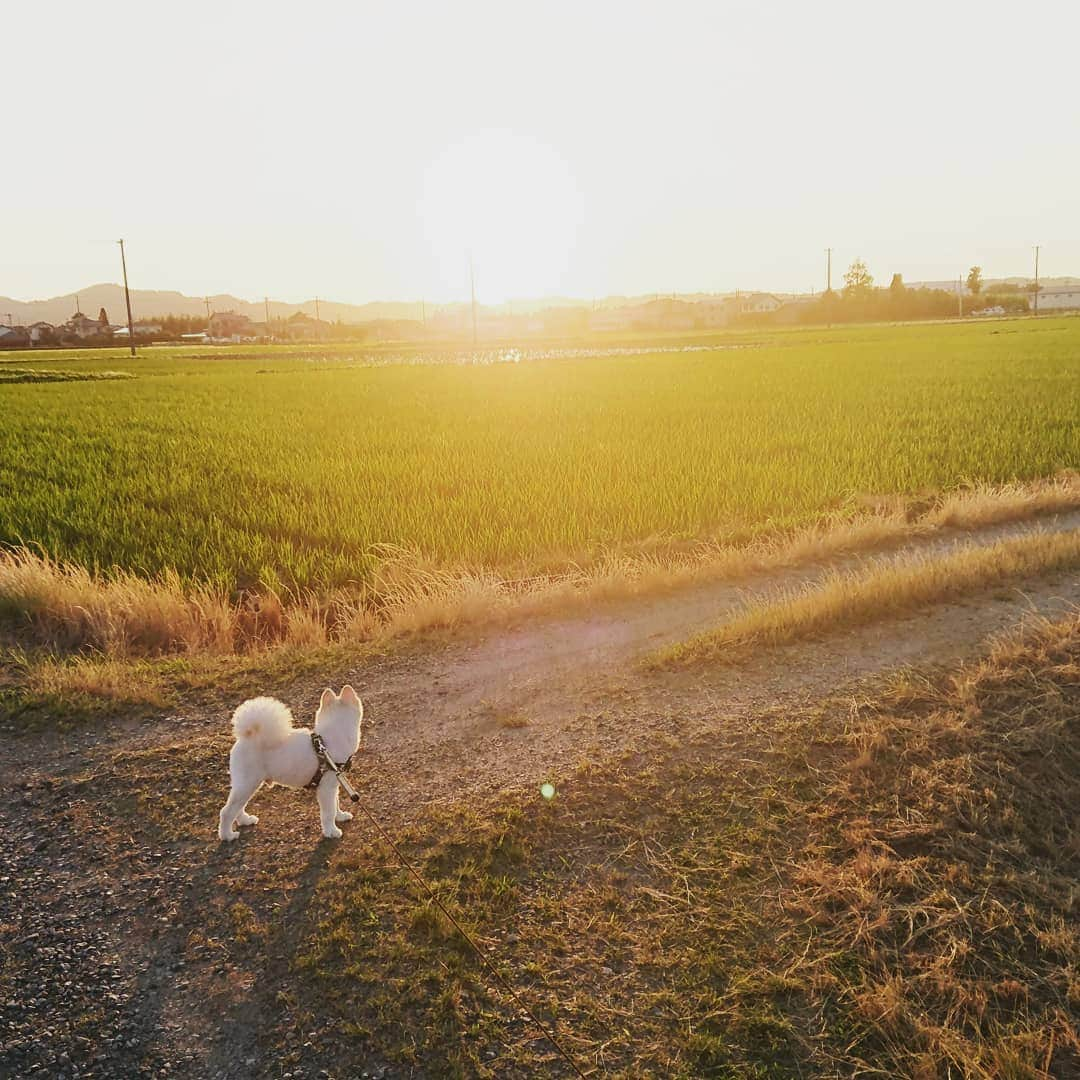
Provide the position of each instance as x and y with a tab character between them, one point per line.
293	468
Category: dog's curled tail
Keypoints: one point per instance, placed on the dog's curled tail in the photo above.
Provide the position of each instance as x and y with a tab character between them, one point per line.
262	720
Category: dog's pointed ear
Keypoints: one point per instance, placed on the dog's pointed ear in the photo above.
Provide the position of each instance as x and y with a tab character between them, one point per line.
328	698
348	694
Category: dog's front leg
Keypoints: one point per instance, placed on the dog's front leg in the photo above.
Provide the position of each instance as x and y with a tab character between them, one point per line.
339	814
327	792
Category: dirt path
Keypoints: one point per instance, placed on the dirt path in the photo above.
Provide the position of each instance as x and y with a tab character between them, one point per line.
531	698
105	966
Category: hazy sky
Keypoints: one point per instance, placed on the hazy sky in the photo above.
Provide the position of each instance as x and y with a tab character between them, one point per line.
356	150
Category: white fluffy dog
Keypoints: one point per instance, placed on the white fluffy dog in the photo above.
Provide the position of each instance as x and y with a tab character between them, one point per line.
269	748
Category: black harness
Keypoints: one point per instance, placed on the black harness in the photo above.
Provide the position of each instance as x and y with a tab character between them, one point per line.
326	762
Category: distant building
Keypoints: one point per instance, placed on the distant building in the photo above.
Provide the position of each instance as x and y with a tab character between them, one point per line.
302	327
228	326
41	333
82	326
141	330
14	337
1059	298
713	313
756	303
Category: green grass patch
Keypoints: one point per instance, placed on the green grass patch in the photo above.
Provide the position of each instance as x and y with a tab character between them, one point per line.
49	375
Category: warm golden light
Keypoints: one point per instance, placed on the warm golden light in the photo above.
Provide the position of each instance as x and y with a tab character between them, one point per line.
511	201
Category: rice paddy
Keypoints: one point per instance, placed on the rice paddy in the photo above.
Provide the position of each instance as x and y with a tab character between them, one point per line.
302	470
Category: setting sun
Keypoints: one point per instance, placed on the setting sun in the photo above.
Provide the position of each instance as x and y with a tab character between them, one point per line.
511	201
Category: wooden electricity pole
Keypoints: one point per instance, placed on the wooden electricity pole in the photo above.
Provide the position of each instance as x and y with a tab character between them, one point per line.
127	299
472	291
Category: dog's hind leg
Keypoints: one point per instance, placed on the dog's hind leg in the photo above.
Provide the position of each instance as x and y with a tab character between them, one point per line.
233	810
327	793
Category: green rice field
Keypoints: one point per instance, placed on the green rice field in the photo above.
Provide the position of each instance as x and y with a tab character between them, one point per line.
291	468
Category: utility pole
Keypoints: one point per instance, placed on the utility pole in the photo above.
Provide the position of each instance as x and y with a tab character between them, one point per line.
316	309
266	311
1036	279
828	270
127	299
472	291
206	301
960	297
423	313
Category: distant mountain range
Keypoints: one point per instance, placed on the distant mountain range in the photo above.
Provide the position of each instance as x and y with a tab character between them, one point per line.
151	303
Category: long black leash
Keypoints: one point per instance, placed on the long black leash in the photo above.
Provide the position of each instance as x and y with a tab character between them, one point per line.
547	1032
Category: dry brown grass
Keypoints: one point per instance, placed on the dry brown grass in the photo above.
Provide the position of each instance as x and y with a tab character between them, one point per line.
877	591
67	608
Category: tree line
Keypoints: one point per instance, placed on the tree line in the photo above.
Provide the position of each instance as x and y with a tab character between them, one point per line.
861	300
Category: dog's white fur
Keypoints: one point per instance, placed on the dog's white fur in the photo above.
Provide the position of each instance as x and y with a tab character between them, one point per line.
269	748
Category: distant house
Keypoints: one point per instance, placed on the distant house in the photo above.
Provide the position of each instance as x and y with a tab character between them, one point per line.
82	326
41	333
14	337
664	314
1059	298
144	330
756	303
228	326
713	313
302	327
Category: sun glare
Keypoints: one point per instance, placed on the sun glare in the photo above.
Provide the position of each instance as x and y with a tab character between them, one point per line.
510	201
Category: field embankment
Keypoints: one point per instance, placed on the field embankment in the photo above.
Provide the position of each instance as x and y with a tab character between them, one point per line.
67	608
878	591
